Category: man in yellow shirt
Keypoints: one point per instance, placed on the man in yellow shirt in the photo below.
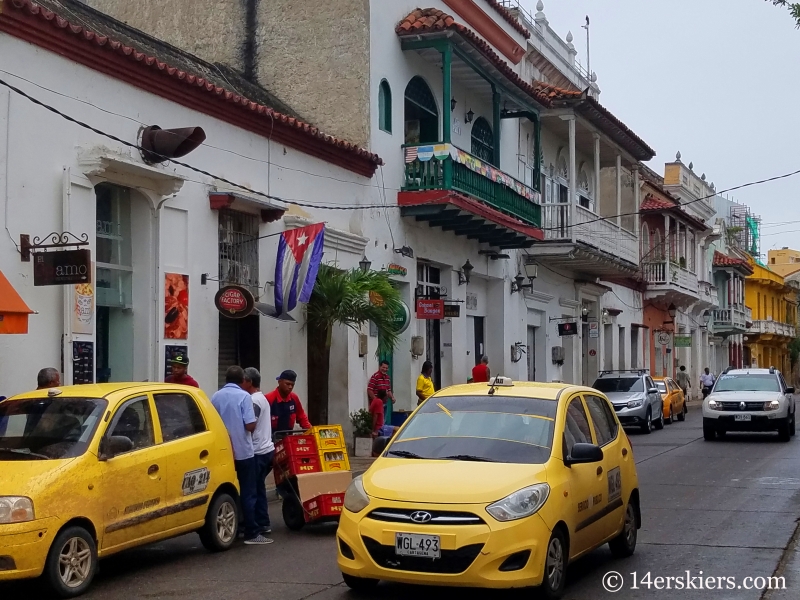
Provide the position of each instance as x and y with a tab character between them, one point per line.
424	384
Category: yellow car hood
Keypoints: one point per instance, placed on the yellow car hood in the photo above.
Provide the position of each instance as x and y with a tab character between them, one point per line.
448	481
26	477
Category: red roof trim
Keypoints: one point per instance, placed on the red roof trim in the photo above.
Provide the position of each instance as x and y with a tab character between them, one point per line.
723	260
509	17
490	29
39	26
653	204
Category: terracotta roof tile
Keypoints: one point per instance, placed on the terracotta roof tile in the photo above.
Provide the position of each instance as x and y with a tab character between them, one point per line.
651	203
723	260
509	16
203	85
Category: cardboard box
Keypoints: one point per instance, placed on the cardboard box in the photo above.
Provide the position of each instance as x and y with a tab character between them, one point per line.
311	485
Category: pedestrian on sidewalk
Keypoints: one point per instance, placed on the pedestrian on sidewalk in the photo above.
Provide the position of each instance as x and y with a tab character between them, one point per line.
706	382
425	387
48	378
263	448
285	406
235	406
684	382
480	372
180	366
381	381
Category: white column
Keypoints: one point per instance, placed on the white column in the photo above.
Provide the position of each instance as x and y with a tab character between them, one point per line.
636	203
619	190
666	247
596	171
573	175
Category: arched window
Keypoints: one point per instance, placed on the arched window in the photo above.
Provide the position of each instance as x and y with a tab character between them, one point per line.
483	140
385	107
645	239
584	191
658	248
421	114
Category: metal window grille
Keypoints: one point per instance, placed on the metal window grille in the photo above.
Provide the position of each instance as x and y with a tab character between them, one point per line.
238	249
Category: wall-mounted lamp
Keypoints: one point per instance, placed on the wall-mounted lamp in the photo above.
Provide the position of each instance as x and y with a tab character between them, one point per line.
469	116
706	319
453	103
464	273
406	251
605	313
364	264
585	314
672	311
531	272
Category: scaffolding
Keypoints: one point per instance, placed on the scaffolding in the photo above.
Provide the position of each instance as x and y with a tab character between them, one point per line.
744	231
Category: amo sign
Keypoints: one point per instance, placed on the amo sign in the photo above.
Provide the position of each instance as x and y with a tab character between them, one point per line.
63	267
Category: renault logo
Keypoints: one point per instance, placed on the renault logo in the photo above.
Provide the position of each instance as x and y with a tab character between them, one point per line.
742	405
421	516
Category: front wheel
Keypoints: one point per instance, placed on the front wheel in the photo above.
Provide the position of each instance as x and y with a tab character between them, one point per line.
647	426
555	567
709	432
792	424
219	531
72	562
359	584
624	544
784	430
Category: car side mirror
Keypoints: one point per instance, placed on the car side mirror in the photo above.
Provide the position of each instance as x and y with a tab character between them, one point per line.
790	390
653	391
584	453
116	444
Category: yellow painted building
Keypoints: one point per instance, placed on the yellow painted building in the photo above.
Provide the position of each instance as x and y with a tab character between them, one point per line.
774	318
784	261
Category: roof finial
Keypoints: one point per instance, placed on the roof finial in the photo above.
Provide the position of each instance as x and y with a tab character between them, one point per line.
703	177
691	165
593	78
569	37
540	16
540	6
678	156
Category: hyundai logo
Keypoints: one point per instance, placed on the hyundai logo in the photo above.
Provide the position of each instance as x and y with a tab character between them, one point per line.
421	516
742	405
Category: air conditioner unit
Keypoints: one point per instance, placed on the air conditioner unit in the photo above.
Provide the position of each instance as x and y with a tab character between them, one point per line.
557	354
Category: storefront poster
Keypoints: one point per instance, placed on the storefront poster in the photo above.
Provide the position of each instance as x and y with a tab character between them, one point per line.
82	363
176	306
83	309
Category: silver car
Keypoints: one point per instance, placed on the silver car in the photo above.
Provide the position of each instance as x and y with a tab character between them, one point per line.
749	400
635	397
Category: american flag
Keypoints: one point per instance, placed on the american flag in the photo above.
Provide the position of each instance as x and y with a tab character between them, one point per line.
411	154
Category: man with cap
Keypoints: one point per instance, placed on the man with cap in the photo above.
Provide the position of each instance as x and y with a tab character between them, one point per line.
285	406
180	364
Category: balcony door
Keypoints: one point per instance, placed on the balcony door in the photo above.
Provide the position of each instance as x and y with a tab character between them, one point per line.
483	140
421	113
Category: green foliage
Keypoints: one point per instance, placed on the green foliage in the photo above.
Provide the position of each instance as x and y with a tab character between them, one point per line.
794	351
362	423
793	7
343	298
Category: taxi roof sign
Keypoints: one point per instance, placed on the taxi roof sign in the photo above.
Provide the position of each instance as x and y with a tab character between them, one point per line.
500	381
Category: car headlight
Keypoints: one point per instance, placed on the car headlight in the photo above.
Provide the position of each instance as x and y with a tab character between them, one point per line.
355	498
773	405
520	504
635	403
714	405
15	509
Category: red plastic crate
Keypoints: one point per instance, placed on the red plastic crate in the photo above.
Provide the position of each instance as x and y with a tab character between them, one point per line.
294	446
296	465
326	505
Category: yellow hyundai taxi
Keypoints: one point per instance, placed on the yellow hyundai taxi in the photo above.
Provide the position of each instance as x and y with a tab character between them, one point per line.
497	485
87	471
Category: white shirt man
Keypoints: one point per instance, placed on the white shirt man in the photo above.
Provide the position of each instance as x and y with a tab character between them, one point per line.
263	448
707	379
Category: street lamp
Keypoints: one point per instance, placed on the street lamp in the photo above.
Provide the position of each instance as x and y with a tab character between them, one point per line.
469	116
365	264
672	311
453	103
464	273
531	271
707	318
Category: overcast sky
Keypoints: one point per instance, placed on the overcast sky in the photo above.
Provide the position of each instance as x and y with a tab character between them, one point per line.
716	79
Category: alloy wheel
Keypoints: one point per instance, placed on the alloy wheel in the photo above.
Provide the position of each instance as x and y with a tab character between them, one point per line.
75	562
554	567
630	526
226	522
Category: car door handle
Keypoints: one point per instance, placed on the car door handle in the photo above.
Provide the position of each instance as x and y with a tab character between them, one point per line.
204	455
599	470
152	470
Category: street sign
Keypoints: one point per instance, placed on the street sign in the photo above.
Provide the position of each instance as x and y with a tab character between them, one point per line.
62	267
234	301
568	328
594	329
682	341
452	311
664	338
430	309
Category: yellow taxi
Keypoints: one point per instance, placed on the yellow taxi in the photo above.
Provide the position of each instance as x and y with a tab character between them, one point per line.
496	485
90	470
672	395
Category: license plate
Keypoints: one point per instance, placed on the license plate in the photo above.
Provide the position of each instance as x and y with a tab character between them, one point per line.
195	482
742	417
412	544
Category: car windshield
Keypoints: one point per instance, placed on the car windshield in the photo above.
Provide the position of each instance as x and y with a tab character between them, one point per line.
48	428
619	384
747	383
481	428
662	387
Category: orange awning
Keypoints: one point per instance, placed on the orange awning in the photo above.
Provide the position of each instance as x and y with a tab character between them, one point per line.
13	310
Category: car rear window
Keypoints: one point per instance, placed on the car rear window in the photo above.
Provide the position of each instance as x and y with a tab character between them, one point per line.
494	429
619	384
48	428
747	383
662	387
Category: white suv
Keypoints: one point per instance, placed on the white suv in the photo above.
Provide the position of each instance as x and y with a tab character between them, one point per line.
749	400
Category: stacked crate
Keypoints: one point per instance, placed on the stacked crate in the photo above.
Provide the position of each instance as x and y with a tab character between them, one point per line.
295	455
332	449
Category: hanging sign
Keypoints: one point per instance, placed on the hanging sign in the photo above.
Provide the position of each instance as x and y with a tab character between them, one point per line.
452	311
664	338
568	329
430	309
234	301
594	330
62	267
402	318
394	269
683	341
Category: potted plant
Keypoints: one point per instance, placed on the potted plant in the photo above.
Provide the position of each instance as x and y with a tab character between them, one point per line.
362	432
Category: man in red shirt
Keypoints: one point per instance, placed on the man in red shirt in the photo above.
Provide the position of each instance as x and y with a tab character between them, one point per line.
480	373
180	364
381	381
285	407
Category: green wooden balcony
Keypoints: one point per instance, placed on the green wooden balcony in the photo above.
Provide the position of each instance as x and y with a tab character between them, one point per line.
446	167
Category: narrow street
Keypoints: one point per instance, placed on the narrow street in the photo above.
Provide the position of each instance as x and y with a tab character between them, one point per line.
726	508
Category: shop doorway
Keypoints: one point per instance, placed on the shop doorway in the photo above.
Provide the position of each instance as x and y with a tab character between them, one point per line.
239	344
531	353
429	286
480	345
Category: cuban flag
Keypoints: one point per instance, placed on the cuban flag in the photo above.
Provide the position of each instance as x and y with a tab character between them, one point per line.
299	257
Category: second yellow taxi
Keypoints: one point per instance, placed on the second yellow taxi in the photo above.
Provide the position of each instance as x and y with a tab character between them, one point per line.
674	401
496	485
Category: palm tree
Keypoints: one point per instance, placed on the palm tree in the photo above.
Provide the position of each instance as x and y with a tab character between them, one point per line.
352	299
